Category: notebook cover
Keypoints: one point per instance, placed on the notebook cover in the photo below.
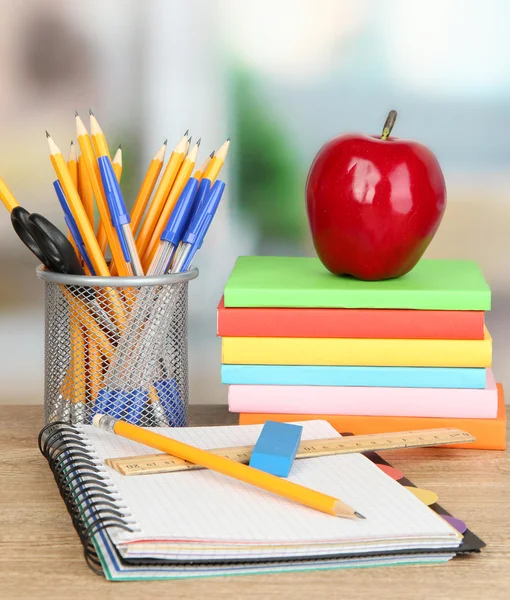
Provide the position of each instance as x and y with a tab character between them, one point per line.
368	401
357	352
278	281
490	434
350	323
347	376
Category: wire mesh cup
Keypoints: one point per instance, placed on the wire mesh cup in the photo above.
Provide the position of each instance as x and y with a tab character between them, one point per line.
117	346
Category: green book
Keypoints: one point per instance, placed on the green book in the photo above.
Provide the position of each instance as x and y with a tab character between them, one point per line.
301	282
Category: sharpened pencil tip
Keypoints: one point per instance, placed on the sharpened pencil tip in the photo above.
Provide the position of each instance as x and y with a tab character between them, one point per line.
228	139
48	135
120	146
212	154
359	515
72	143
165	142
76	113
90	112
186	132
199	140
189	139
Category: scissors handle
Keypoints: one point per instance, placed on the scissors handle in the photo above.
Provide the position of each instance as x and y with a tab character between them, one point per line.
55	245
46	242
21	225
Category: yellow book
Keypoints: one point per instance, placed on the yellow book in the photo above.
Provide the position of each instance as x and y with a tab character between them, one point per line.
358	352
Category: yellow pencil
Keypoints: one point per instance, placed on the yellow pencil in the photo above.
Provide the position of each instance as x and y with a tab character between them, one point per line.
98	137
72	165
84	226
90	165
199	173
161	194
179	183
217	162
7	197
271	483
117	163
85	191
147	187
145	193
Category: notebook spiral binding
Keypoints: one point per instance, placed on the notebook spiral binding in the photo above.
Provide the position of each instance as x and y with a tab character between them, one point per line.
89	495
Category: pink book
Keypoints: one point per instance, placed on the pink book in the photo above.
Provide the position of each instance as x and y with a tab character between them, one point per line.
367	401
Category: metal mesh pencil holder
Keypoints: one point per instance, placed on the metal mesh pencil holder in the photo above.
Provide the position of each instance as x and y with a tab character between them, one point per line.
116	346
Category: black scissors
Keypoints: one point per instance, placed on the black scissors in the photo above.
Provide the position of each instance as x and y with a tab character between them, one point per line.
46	241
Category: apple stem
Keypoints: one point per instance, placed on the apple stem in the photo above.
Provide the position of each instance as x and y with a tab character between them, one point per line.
388	124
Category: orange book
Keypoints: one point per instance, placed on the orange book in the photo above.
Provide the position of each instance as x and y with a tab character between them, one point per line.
350	323
490	434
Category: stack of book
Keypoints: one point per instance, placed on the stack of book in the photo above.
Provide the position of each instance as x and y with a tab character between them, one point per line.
299	343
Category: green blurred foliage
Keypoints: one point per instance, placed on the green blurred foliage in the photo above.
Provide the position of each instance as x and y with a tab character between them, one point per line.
270	182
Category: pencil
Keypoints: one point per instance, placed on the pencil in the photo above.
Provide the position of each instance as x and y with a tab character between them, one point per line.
7	197
161	194
72	165
95	367
179	183
144	194
217	162
147	187
90	165
98	137
77	346
199	173
271	483
82	222
117	163
85	191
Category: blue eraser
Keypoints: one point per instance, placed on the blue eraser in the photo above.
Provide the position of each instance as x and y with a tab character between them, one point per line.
276	448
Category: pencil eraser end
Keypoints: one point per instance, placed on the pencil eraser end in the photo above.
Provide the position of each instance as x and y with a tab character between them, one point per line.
276	448
96	419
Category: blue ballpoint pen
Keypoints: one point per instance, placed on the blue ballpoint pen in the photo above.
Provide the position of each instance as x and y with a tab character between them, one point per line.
71	224
120	215
174	229
194	236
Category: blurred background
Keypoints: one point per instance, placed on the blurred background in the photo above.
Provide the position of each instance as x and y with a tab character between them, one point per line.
280	78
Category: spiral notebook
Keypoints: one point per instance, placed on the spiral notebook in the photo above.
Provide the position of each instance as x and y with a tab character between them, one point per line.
201	523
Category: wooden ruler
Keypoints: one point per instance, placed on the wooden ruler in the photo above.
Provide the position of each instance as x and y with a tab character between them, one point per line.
148	464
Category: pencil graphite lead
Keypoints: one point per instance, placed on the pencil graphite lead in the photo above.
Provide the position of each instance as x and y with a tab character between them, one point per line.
228	139
186	132
90	112
120	146
165	142
76	113
359	515
199	140
48	135
212	154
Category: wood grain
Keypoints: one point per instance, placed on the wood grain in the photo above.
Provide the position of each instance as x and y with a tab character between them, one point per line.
41	556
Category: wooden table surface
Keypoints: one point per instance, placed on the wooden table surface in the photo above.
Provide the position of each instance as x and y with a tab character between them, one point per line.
41	556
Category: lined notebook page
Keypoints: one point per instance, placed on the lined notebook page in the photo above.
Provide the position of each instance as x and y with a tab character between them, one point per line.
203	506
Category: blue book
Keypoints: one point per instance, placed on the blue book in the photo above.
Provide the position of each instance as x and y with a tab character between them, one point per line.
413	377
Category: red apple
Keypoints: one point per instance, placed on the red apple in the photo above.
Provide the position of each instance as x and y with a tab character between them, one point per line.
374	204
